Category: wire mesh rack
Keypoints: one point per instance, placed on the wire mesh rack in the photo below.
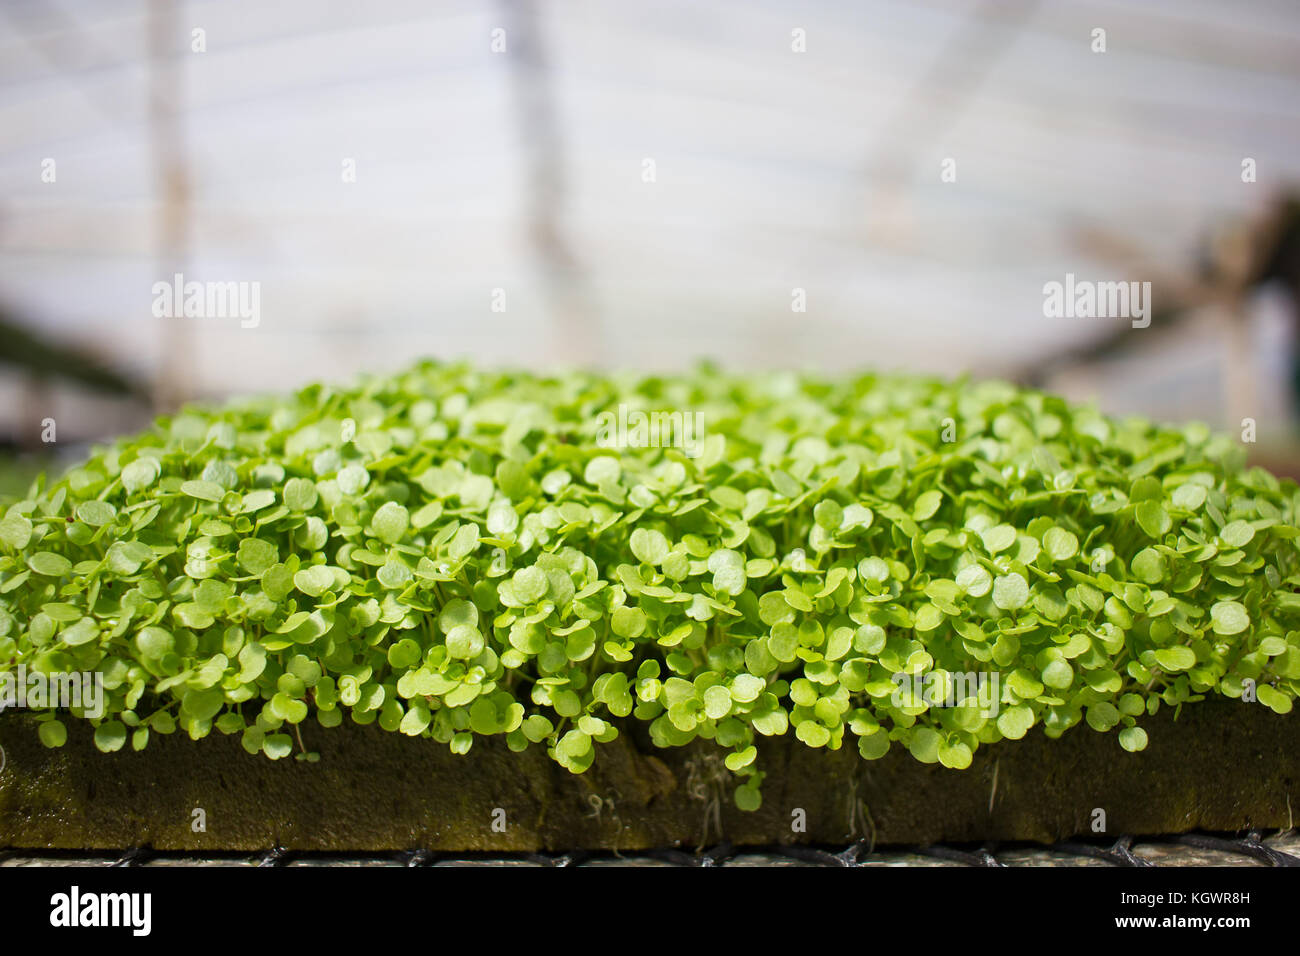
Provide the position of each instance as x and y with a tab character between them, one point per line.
1280	848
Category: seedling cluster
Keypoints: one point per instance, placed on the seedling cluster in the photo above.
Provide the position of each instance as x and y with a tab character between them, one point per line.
451	553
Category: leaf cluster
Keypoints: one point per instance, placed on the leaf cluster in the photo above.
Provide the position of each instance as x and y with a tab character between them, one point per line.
451	553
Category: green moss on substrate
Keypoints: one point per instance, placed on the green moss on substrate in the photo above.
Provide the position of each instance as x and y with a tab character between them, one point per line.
1220	766
523	562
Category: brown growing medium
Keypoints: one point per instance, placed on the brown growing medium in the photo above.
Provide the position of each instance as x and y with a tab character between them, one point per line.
1220	765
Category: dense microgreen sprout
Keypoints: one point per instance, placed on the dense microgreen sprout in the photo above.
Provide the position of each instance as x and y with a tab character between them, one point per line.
454	554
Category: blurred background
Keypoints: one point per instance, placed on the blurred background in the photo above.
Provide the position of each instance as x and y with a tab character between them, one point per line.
822	185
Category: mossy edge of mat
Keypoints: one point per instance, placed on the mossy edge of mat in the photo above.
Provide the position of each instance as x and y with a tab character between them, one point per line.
1221	765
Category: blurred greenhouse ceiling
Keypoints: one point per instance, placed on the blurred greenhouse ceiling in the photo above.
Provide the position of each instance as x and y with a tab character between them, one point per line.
642	185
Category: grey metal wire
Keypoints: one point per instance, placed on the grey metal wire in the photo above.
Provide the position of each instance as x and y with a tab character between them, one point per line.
276	856
1120	853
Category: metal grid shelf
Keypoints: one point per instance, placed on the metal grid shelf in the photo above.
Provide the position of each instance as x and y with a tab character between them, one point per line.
1281	848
